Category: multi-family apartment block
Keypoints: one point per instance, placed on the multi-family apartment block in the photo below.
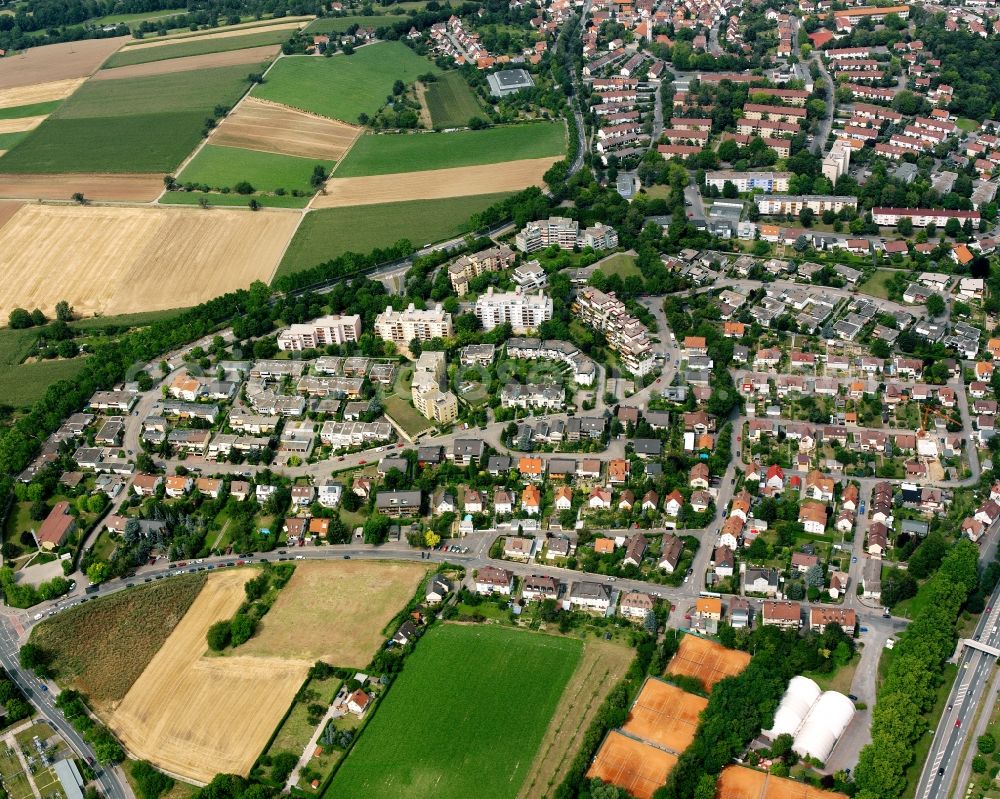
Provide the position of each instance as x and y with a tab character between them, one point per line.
469	266
566	234
836	162
320	332
521	311
401	327
625	334
749	181
818	203
428	398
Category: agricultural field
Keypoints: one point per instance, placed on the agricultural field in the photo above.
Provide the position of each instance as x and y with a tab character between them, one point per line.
253	59
343	87
740	782
144	124
335	611
450	101
633	765
200	46
273	128
133	188
219	167
31	109
462	677
162	717
101	648
135	259
328	233
409	152
665	715
706	660
232	200
221	32
56	62
341	24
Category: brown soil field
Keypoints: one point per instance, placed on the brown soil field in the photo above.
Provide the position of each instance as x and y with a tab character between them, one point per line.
434	184
637	767
122	260
739	782
39	93
197	716
602	666
20	123
226	34
665	715
707	660
232	58
335	611
274	128
142	188
56	61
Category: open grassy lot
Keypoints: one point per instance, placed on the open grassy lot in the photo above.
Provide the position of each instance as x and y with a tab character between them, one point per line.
878	284
220	167
399	407
144	55
619	264
22	385
341	24
343	87
451	101
331	232
30	110
102	647
393	153
232	200
146	124
494	690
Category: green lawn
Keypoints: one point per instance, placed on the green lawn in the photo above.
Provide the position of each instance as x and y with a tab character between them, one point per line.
147	124
145	55
619	264
341	24
214	198
343	87
391	153
451	101
490	691
966	124
878	284
331	232
220	167
32	110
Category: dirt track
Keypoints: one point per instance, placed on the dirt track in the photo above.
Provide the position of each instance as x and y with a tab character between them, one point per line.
39	92
434	184
282	26
56	61
274	128
232	58
126	188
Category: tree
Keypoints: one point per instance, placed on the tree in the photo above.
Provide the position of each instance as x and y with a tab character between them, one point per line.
729	190
36	659
806	217
64	311
986	743
37	317
241	628
935	305
979	764
905	226
98	572
952	227
219	635
431	539
814	576
19	319
79	198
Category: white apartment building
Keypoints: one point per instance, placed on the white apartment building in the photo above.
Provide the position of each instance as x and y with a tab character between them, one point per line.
428	398
564	233
530	276
401	327
836	162
777	204
521	311
922	217
625	334
320	332
749	181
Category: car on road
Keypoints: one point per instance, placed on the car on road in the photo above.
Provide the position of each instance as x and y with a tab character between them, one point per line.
941	771
958	723
854	559
864	629
852	697
862	508
347	557
949	706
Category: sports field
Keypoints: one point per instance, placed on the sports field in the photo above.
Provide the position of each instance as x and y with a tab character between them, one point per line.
417	152
637	767
472	704
199	716
138	54
665	715
218	167
335	611
331	232
740	782
707	660
343	87
56	62
134	259
451	102
144	124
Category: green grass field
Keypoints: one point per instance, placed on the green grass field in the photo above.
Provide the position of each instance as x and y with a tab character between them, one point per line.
343	87
451	101
8	140
23	383
33	110
331	232
619	264
220	167
493	690
182	49
878	284
145	124
120	19
391	153
233	200
341	24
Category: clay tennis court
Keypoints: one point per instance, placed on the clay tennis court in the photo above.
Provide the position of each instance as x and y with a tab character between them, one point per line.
637	767
707	660
53	62
121	260
740	782
665	715
227	34
39	92
197	716
141	188
436	184
231	58
274	128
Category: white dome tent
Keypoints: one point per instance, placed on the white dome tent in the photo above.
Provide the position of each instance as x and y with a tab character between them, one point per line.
801	695
814	719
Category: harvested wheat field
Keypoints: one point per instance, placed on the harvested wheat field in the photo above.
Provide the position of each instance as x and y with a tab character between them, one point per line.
197	716
39	93
7	209
124	188
601	667
230	58
435	184
274	128
335	611
53	62
637	767
121	260
226	34
739	782
707	660
665	715
20	123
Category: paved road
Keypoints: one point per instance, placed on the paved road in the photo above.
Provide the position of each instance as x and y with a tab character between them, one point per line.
819	143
